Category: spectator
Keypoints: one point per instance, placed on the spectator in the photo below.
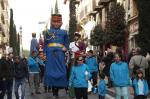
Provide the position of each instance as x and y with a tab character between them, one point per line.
21	73
138	61
119	75
41	64
108	60
34	70
6	76
132	53
140	86
147	71
91	62
102	87
79	78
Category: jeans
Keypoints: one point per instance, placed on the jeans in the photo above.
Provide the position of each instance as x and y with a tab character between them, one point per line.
34	82
6	86
20	82
122	91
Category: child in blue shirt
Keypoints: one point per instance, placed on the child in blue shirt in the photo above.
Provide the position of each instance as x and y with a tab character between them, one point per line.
102	87
90	60
79	78
140	86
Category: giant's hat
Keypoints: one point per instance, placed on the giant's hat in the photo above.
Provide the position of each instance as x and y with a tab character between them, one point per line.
56	16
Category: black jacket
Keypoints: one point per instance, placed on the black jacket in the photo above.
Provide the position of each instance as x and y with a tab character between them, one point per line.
6	69
21	70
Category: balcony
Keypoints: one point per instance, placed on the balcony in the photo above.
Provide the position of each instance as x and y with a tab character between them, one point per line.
2	30
103	2
92	13
98	8
2	45
77	2
3	19
132	18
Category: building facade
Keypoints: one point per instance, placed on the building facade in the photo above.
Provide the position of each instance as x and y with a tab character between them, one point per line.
132	23
4	26
93	12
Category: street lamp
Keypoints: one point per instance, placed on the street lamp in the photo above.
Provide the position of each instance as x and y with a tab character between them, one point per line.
20	38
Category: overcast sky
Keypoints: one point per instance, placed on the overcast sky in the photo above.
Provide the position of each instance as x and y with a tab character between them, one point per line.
28	13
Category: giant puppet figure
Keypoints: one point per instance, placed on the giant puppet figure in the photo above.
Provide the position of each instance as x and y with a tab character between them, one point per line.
55	45
77	47
34	43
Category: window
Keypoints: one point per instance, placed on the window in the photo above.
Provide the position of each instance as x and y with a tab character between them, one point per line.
2	4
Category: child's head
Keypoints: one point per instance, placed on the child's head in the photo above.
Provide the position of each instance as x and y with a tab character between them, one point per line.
139	74
102	76
90	53
118	57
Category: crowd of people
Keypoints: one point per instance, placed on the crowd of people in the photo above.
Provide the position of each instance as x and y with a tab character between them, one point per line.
57	64
127	75
12	68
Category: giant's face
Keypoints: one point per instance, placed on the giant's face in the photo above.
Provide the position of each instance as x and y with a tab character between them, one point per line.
76	38
56	22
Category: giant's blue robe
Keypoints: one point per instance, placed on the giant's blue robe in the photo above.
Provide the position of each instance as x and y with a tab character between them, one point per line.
34	45
55	68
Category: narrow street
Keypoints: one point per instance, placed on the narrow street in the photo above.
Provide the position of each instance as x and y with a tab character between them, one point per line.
63	95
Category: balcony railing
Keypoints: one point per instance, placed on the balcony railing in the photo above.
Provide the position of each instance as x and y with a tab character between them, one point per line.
98	8
77	2
93	13
132	18
103	2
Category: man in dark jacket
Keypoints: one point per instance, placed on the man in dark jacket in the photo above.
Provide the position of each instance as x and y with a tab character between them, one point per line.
2	77
21	73
6	76
108	61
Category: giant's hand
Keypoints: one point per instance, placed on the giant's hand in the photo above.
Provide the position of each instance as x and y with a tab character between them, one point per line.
64	49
